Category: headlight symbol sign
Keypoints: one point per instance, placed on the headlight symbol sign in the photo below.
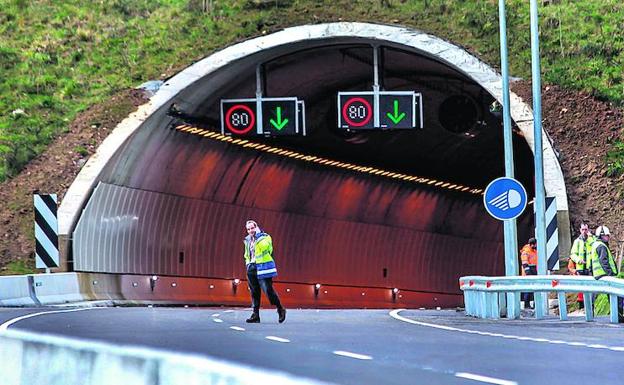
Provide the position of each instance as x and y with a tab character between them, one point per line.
505	198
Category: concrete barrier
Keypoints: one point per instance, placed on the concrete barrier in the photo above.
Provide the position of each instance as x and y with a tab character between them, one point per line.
16	290
34	359
57	288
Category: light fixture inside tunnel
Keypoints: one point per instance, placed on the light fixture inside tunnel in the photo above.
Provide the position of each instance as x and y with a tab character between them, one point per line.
323	161
153	280
317	287
235	283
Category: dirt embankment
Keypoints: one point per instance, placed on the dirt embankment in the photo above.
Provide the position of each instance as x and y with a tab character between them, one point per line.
583	129
53	172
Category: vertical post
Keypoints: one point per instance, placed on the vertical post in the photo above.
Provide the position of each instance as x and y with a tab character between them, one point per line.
563	306
589	306
613	302
509	226
259	82
376	84
540	298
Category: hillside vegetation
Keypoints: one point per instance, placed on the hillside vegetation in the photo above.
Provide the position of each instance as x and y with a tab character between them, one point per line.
58	58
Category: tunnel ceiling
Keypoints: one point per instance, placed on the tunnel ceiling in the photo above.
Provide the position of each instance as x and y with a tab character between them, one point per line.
462	138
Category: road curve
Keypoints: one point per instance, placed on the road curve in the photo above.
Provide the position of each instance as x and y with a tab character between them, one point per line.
356	346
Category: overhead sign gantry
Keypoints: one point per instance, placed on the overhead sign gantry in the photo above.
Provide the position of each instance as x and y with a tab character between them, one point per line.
376	109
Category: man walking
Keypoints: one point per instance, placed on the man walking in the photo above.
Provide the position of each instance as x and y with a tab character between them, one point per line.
260	270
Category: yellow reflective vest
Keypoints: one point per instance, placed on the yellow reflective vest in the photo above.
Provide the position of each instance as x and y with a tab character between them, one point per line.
263	251
581	251
597	268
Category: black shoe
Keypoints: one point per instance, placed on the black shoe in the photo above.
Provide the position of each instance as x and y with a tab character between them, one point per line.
254	319
282	314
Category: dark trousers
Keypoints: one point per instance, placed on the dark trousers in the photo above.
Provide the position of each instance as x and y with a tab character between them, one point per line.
264	284
528	297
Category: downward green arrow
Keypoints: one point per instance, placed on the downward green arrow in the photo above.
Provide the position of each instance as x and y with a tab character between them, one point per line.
280	123
396	117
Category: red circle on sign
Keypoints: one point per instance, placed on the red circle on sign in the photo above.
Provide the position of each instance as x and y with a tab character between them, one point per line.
252	119
366	104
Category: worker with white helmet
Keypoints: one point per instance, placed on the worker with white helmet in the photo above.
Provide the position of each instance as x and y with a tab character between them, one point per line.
602	263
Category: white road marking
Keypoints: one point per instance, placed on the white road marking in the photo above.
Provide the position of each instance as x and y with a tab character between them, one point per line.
229	311
240	329
489	380
395	314
278	339
216	315
217	320
8	323
352	355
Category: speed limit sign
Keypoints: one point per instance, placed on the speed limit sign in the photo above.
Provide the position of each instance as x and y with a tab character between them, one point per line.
356	110
239	116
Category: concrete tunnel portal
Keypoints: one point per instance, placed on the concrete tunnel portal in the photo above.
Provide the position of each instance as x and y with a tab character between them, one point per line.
360	212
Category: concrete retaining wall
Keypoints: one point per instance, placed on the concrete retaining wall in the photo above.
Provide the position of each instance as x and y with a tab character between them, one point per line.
33	359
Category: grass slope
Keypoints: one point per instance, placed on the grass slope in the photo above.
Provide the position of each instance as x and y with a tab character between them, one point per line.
58	58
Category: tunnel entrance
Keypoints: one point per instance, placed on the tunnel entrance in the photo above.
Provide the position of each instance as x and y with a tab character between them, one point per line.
366	214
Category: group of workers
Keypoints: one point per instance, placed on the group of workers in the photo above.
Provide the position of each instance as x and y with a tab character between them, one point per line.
590	255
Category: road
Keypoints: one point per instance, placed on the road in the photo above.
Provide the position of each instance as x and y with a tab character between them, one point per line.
358	346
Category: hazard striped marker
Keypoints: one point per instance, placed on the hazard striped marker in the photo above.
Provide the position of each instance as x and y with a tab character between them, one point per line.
46	231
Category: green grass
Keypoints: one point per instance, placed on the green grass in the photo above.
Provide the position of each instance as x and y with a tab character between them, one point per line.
59	57
17	268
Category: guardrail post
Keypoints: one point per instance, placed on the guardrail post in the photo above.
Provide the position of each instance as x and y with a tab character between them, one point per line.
541	304
482	304
563	306
493	310
468	301
502	304
613	301
589	306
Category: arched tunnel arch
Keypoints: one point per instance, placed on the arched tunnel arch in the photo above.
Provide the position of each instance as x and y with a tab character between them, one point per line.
168	194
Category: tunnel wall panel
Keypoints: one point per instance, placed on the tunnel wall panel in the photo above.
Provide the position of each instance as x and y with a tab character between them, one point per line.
141	232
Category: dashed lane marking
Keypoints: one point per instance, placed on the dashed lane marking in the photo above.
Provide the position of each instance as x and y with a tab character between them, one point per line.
278	339
352	355
10	322
217	320
395	314
489	380
216	315
238	328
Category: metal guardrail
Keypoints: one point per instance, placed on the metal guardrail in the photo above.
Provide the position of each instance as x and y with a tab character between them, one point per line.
483	296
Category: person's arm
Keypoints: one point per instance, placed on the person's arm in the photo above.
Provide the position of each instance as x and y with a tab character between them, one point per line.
603	257
524	257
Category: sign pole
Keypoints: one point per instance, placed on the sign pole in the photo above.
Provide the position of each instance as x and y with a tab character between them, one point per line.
540	298
509	226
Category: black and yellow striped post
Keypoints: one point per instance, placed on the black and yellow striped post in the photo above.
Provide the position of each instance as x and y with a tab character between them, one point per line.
46	231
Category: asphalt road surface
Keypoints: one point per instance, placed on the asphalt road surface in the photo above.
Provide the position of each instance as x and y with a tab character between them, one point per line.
358	346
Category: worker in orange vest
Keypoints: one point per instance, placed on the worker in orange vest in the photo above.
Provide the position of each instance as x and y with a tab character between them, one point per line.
528	256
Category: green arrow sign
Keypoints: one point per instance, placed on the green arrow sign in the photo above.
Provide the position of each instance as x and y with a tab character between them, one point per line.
396	117
280	124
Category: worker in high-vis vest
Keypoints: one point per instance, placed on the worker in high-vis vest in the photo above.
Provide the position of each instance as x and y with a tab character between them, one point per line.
579	256
528	257
260	270
602	263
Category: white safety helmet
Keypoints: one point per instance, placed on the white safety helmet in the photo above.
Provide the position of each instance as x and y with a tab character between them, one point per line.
602	230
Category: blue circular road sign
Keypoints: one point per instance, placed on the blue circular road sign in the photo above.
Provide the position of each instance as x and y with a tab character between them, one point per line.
505	198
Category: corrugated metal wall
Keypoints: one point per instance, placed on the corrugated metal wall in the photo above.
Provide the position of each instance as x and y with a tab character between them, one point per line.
124	230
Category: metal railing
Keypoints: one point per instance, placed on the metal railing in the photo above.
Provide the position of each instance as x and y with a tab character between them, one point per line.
485	296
